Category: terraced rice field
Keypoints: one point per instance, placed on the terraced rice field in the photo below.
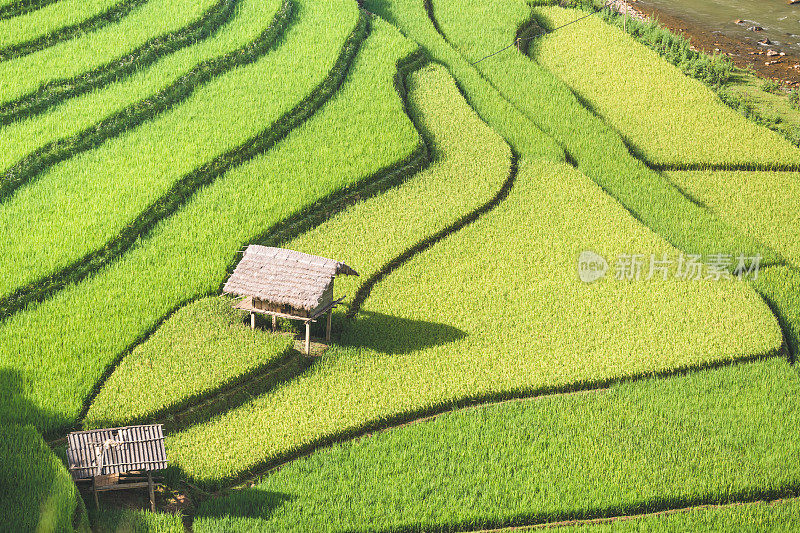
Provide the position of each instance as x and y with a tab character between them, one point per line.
466	159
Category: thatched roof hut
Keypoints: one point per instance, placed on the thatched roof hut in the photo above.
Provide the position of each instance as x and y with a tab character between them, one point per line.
286	283
111	458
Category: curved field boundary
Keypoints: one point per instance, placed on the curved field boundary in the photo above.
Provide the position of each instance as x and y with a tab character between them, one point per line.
57	91
20	7
662	113
184	188
181	192
691	227
629	517
49	155
366	288
619	405
109	16
277	235
518	130
473	402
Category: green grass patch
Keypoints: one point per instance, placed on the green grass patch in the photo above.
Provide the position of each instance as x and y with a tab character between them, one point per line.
189	254
495	310
38	491
705	437
523	135
47	26
24	75
82	205
762	205
669	119
204	347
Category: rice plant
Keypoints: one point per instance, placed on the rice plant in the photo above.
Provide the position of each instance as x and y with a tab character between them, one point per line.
519	131
708	437
762	205
33	145
38	492
464	148
15	8
112	519
495	310
189	254
160	167
70	59
598	150
204	347
45	27
668	118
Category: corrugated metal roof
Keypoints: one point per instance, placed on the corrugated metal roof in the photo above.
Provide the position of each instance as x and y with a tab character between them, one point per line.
116	451
284	276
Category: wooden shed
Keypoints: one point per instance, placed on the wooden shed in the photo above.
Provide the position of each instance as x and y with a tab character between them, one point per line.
287	284
117	458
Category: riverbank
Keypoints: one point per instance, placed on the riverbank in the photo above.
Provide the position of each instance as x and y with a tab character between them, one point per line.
745	55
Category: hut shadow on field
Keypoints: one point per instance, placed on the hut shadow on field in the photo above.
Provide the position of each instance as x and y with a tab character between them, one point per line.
243	503
27	460
393	335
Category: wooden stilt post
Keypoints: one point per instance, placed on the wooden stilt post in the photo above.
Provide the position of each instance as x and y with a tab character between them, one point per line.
274	323
328	326
252	320
94	489
308	337
152	492
625	16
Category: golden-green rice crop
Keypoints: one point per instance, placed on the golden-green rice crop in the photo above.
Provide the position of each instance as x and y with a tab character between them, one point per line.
711	436
479	29
464	148
80	205
189	254
23	75
470	165
762	205
204	347
38	492
668	118
779	515
518	130
496	309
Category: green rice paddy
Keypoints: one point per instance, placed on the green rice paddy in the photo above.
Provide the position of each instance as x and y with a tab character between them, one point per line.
465	165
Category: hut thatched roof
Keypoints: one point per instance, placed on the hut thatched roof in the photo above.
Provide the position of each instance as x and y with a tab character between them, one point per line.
284	276
116	451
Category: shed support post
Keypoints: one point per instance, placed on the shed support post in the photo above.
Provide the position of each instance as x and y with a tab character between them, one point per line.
152	493
252	320
328	326
94	489
274	323
308	337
